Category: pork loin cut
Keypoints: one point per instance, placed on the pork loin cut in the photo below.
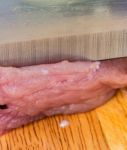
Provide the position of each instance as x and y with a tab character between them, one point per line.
31	93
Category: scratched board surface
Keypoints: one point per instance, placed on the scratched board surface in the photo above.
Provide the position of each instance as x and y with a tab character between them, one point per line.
102	129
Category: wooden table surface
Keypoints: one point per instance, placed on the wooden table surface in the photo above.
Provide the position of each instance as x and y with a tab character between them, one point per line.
102	129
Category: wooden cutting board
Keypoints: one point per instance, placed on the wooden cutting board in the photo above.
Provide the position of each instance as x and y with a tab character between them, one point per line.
102	129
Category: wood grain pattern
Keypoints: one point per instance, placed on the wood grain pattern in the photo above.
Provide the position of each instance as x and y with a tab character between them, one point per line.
102	129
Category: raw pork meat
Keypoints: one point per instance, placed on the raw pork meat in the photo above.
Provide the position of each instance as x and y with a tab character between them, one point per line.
31	93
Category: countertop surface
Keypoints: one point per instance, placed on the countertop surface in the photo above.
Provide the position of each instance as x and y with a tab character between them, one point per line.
102	129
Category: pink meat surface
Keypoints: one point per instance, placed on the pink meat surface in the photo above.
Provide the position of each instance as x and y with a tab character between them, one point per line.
31	93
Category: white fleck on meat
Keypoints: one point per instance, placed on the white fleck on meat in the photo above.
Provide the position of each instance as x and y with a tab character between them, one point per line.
44	71
95	66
